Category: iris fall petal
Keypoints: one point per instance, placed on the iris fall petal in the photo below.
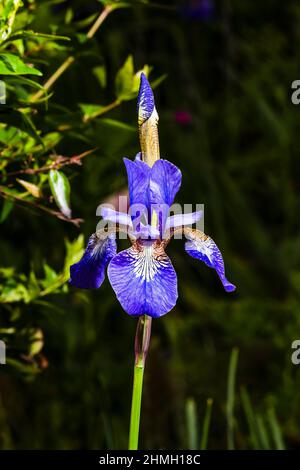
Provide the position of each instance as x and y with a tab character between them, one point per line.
144	280
89	272
202	247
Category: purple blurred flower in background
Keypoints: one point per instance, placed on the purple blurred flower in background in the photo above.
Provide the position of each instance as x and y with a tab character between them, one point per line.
184	118
197	9
143	276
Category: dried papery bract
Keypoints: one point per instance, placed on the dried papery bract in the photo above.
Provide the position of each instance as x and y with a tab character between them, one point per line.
142	340
148	123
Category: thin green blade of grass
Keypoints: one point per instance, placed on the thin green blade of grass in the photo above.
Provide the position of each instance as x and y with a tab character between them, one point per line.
246	403
263	433
231	397
192	423
206	424
275	429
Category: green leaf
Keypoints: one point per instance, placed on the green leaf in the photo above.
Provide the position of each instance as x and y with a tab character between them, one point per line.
27	81
124	79
7	134
127	81
7	331
33	35
69	15
14	293
11	64
115	4
82	38
20	120
20	46
23	368
137	79
8	11
118	124
60	188
100	74
6	210
33	189
158	81
7	272
50	276
85	22
51	139
75	251
36	342
33	286
90	109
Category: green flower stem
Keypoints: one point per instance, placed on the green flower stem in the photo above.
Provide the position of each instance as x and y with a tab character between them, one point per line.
142	340
136	407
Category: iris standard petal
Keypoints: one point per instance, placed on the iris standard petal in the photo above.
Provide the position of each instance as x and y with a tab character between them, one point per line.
138	174
165	181
144	280
89	272
179	220
202	247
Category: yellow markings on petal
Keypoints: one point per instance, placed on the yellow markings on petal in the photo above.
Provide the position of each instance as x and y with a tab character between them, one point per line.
154	219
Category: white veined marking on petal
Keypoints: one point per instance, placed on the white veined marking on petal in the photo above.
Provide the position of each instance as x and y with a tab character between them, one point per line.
154	187
203	245
146	264
206	246
100	245
205	249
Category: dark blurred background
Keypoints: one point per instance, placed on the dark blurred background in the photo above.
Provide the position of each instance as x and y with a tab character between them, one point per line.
227	120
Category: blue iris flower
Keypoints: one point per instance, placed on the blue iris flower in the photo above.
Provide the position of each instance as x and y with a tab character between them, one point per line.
143	276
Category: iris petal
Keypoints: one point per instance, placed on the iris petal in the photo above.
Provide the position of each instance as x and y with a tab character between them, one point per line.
165	181
144	280
138	174
89	272
202	247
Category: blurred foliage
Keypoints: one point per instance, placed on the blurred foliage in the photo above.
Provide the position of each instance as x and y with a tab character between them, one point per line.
67	381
